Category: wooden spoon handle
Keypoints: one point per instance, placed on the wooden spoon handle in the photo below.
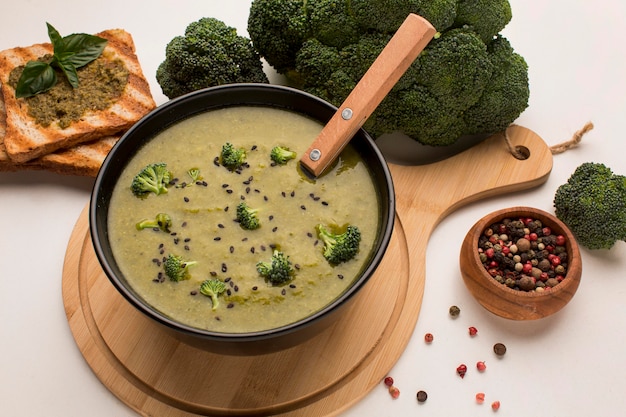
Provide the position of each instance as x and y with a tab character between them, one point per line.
403	48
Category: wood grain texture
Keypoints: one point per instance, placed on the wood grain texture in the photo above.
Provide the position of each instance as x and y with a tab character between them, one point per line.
157	375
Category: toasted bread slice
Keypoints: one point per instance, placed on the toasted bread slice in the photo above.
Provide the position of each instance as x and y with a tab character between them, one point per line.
81	160
25	139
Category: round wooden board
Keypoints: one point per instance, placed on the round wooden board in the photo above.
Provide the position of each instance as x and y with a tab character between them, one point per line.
159	376
155	374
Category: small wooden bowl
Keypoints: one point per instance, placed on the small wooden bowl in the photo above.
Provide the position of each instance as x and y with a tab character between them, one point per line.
517	304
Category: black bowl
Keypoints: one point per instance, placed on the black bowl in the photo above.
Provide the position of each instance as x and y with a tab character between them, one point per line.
210	99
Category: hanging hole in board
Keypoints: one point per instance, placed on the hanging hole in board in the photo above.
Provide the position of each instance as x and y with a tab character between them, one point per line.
521	152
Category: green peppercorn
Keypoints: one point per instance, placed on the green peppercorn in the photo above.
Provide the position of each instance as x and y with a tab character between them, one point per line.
455	311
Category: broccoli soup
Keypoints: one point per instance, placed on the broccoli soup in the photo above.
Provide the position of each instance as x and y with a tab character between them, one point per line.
213	223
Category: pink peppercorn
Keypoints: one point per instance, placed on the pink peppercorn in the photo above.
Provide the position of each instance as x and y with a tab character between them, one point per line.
461	370
495	406
480	397
546	231
560	240
395	392
481	366
428	337
473	331
388	381
533	237
527	268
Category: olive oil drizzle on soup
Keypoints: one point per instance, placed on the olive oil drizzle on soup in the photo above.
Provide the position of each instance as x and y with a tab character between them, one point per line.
204	229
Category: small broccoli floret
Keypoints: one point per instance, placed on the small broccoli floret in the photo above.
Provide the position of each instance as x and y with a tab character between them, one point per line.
387	15
455	68
505	96
278	270
486	17
592	203
210	53
247	217
176	268
162	221
281	155
154	178
213	288
277	29
231	157
339	246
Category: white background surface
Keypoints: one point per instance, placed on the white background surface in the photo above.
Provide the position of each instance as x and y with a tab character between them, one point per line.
572	363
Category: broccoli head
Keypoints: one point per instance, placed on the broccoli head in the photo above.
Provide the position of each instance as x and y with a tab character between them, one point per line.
231	157
339	246
277	30
247	217
209	54
486	17
176	268
153	178
592	203
467	81
162	222
281	155
277	270
213	288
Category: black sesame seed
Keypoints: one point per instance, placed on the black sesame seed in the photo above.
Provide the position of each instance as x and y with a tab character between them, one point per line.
224	267
232	249
186	199
283	292
230	305
255	288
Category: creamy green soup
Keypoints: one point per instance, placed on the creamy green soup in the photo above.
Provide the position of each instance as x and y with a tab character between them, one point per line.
204	229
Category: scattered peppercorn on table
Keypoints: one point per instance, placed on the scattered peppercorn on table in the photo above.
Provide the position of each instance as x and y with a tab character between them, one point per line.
575	77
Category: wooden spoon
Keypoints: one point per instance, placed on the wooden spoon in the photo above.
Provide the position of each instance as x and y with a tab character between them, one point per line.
397	56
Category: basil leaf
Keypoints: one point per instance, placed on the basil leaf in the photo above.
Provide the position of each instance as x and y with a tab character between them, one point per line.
85	48
36	77
70	52
64	61
55	37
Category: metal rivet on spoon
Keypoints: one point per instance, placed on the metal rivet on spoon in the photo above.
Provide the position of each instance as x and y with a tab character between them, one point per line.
346	114
315	154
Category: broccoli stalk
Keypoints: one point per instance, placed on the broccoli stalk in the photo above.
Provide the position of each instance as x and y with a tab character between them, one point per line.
247	217
231	157
162	221
153	178
176	268
339	247
281	155
592	203
277	270
209	54
213	288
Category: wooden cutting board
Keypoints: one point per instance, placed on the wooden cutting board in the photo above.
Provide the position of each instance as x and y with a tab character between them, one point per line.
156	375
